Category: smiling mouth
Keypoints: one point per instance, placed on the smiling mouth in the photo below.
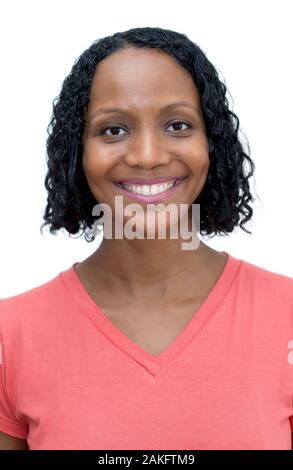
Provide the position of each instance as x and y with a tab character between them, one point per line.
150	189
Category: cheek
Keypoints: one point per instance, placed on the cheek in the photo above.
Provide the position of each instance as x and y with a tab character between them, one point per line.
94	165
204	165
203	154
198	153
199	163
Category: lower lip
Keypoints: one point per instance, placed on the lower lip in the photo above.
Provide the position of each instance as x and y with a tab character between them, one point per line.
151	199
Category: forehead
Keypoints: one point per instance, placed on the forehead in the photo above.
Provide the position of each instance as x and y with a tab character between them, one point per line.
140	77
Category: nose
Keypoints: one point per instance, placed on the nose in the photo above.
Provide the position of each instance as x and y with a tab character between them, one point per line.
147	150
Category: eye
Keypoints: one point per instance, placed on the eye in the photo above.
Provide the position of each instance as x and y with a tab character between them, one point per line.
179	123
115	128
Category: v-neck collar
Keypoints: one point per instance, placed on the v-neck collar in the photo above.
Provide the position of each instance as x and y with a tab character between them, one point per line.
153	364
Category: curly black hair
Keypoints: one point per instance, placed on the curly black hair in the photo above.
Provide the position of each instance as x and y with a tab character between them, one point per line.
225	197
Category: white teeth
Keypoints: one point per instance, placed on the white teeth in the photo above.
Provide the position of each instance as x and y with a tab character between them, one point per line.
149	190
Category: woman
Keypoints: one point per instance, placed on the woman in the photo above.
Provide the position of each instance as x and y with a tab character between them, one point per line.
145	345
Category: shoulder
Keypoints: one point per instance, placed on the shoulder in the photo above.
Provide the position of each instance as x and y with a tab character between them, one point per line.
271	284
29	305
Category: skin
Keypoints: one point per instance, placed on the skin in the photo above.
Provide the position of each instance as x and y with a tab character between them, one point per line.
159	285
12	443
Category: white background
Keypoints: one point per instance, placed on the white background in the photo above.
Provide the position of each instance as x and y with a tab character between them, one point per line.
249	42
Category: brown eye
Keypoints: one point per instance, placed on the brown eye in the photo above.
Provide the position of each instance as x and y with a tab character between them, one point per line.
114	128
179	124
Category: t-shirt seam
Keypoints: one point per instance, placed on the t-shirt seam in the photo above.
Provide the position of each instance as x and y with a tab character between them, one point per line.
84	310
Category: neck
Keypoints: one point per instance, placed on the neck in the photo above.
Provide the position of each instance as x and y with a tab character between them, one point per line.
147	270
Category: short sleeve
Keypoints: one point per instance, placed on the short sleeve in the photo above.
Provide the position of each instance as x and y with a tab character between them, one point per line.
8	421
291	422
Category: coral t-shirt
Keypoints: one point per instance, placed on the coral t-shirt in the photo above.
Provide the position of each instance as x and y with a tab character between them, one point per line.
70	379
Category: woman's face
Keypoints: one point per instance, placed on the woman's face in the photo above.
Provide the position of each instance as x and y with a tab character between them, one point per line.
141	139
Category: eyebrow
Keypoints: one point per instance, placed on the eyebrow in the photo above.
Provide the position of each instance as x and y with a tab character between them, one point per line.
165	108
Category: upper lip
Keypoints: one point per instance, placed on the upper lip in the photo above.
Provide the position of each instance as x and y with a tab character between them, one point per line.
159	179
